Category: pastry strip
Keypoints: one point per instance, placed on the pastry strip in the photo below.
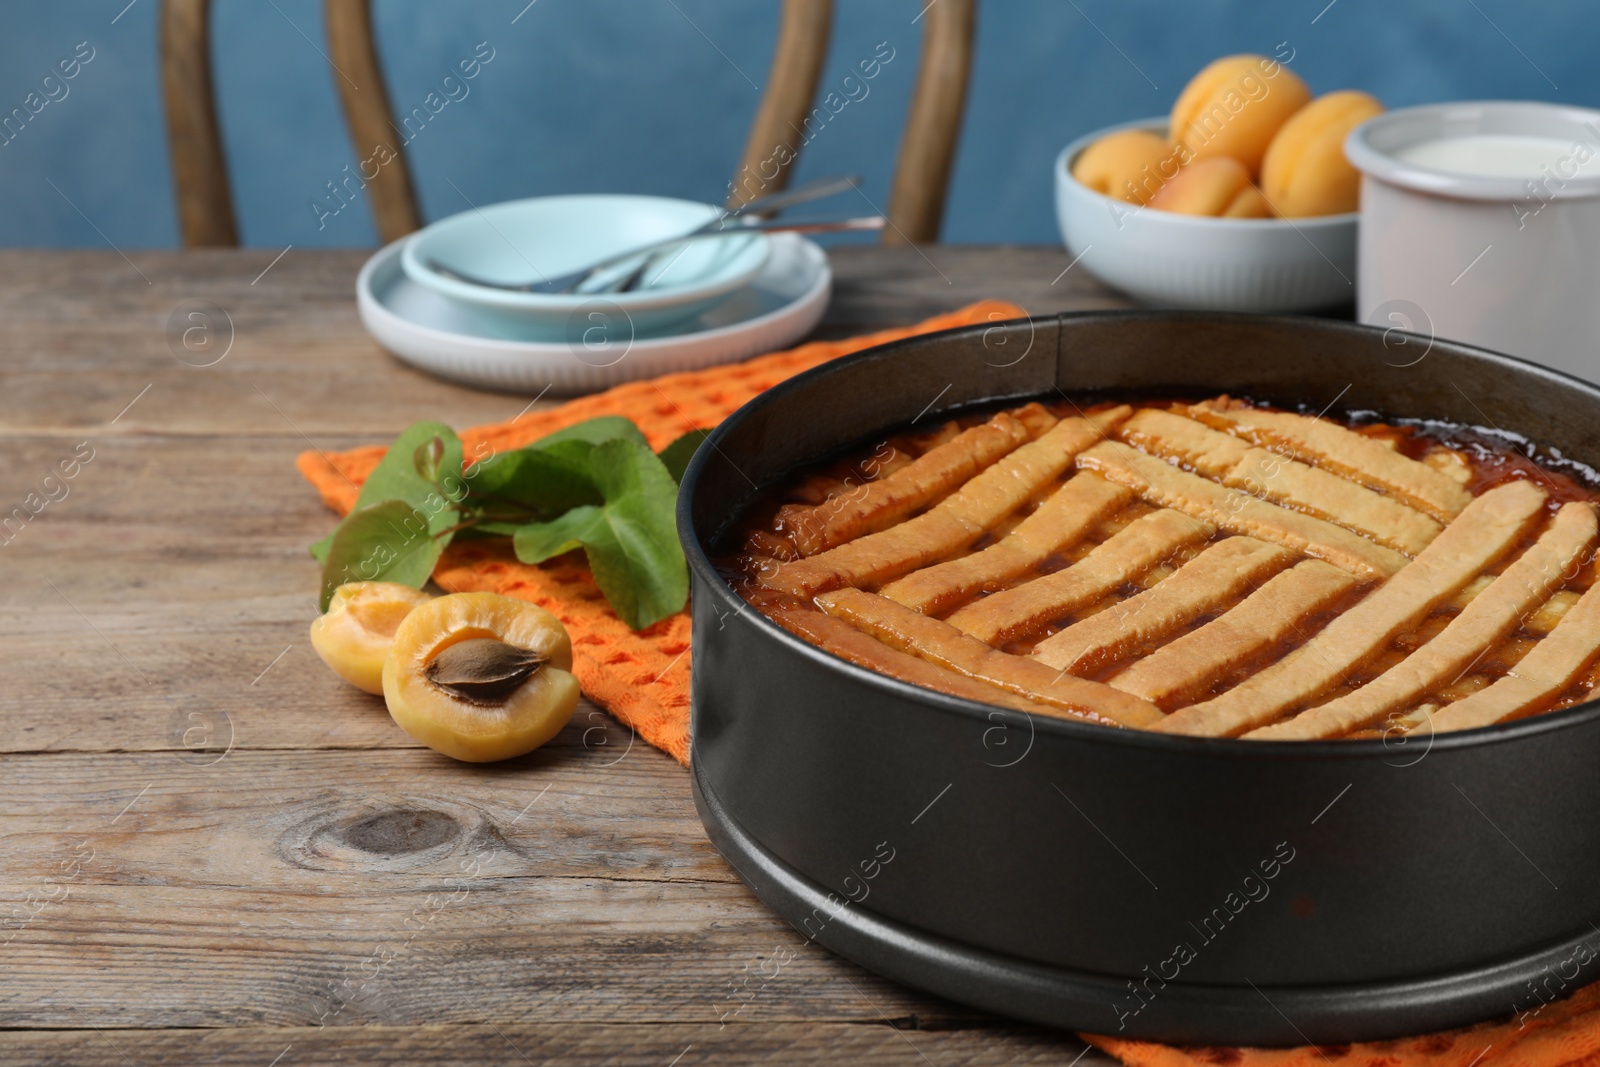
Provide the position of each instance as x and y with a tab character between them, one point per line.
1484	623
1265	619
1063	520
938	642
1218	575
878	505
1553	666
1354	455
1239	465
1540	622
1233	510
848	643
950	525
1550	613
1024	610
1488	526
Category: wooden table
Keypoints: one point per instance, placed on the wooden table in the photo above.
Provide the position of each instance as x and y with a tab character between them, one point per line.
212	850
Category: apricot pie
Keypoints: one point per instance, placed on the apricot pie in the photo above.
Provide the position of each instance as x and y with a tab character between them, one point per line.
1217	569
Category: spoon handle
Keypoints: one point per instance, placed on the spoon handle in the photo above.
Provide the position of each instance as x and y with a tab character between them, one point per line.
748	213
631	280
803	193
867	222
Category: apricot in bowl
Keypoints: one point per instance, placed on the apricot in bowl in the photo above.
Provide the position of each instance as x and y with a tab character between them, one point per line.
1234	107
1202	261
1130	165
1191	227
1305	172
1219	187
480	677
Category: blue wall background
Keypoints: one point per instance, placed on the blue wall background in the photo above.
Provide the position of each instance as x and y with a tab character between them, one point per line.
657	95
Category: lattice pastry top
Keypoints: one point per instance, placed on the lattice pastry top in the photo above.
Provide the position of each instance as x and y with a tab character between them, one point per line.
1215	569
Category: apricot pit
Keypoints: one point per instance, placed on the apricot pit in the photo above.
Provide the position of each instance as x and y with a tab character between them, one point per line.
482	670
480	677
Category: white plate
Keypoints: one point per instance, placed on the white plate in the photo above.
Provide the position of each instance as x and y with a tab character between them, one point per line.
781	305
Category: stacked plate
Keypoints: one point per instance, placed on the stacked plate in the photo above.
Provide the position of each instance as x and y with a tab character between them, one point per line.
706	302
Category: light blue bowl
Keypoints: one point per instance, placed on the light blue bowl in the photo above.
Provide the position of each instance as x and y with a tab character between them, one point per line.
550	235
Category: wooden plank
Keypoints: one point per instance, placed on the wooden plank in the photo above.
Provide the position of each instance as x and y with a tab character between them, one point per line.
275	887
166	583
898	1042
574	949
401	820
84	334
888	285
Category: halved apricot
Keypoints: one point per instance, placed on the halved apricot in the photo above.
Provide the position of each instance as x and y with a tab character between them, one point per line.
480	677
354	636
1219	186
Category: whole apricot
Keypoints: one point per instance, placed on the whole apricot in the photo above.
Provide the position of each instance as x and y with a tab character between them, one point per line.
1234	107
1305	172
1219	187
354	635
480	677
1129	165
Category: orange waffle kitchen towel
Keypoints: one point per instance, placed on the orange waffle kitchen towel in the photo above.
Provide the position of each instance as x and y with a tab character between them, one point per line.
642	678
1545	1033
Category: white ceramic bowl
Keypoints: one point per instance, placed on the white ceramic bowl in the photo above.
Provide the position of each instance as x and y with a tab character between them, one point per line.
549	235
1188	261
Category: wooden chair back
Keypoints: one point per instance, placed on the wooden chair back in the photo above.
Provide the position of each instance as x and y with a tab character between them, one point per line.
916	198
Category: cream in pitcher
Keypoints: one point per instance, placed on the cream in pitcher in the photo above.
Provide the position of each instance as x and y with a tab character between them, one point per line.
1480	222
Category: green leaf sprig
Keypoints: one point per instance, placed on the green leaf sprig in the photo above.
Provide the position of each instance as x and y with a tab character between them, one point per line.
597	486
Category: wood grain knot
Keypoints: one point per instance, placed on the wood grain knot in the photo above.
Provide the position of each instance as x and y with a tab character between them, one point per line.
397	833
384	834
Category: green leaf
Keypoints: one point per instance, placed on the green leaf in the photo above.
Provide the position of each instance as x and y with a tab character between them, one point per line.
596	432
396	476
552	475
631	539
388	541
677	455
595	485
547	479
400	476
536	542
